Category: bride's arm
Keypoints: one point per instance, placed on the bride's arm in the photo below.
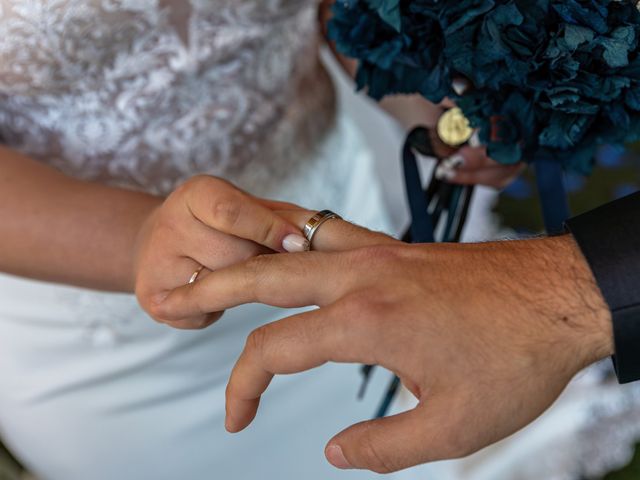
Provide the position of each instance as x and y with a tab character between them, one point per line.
59	229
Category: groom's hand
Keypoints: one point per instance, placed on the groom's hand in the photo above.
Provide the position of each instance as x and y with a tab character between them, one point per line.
485	336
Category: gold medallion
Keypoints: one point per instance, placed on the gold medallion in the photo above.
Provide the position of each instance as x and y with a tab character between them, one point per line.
453	128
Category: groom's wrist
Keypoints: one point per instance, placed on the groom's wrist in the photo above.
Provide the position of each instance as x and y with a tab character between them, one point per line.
580	302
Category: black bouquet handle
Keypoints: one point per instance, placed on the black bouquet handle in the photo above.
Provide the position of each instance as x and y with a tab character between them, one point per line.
438	214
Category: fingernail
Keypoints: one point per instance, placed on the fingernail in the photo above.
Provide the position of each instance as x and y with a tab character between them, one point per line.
474	141
454	161
460	85
336	457
295	243
444	173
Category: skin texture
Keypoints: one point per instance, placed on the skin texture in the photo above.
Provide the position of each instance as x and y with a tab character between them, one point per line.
205	222
58	229
485	351
486	336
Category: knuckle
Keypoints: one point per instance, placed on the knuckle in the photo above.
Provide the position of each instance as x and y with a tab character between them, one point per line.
182	189
367	313
160	312
202	181
363	305
253	274
227	209
167	227
256	341
194	184
267	230
256	266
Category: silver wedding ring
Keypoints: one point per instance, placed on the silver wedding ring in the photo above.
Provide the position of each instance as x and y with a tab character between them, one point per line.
316	222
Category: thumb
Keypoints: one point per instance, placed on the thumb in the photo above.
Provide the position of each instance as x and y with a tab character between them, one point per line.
387	445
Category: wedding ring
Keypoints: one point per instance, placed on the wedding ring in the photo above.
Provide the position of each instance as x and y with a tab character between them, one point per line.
195	275
316	222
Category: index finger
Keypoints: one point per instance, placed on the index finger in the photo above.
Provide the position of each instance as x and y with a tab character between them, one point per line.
287	281
223	207
292	345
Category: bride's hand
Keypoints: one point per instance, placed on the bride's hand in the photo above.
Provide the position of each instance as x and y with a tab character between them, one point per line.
472	166
209	223
195	300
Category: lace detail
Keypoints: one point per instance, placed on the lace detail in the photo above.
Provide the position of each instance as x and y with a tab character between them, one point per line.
146	93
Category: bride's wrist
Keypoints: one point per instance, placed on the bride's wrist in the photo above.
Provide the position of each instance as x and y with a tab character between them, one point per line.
145	227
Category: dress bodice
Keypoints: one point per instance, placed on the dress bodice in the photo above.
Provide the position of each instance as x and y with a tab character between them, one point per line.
146	93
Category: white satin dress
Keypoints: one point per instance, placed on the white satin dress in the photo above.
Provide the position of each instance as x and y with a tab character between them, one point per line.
144	94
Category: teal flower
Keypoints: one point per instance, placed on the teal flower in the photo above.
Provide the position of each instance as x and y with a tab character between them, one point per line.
551	79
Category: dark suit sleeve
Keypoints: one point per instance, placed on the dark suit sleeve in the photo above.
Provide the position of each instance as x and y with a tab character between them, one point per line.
609	238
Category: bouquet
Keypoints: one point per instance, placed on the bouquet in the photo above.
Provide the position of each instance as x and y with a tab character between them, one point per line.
549	80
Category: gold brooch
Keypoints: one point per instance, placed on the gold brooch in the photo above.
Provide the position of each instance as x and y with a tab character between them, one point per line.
454	128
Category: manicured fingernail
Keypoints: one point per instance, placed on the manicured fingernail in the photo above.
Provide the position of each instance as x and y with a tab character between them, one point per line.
295	243
336	457
445	173
474	141
454	161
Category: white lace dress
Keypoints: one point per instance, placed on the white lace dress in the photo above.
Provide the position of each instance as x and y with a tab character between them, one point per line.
144	94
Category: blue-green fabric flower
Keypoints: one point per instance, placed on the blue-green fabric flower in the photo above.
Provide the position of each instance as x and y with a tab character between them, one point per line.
552	79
